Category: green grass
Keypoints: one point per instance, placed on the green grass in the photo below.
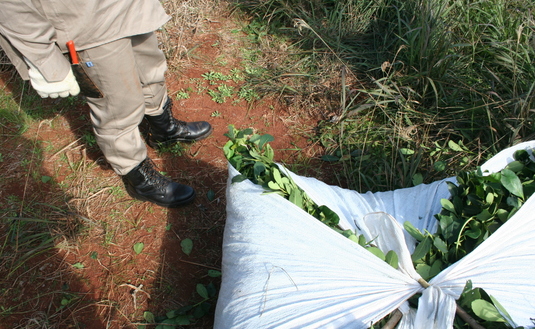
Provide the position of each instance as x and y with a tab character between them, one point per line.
12	117
24	234
36	219
405	75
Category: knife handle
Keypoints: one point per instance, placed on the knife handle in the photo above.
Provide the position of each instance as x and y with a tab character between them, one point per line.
72	52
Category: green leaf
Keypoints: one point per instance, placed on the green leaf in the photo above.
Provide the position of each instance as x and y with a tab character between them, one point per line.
182	320
214	273
138	247
288	188
423	270
435	268
512	183
452	188
166	324
486	311
256	155
245	132
406	151
259	168
46	179
474	231
184	309
469	295
187	246
265	139
440	166
296	197
268	152
330	217
330	158
413	231
210	195
521	155
212	290
78	265
238	178
448	226
277	177
515	166
417	179
148	316
514	202
274	186
454	146
227	150
422	249
201	310
202	291
490	198
392	259
448	205
362	240
353	238
502	214
440	245
377	252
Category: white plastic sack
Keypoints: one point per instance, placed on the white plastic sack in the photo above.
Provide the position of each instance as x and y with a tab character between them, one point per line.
282	268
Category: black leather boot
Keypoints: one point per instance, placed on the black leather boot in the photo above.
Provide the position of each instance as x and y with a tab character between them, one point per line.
146	184
166	130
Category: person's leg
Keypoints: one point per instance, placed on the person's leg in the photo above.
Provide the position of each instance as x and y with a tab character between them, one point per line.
151	67
116	118
117	115
164	128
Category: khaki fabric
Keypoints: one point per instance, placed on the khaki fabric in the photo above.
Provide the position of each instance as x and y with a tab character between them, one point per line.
131	74
116	37
39	29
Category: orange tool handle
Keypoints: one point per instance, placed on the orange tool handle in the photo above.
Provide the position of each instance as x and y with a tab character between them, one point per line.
72	52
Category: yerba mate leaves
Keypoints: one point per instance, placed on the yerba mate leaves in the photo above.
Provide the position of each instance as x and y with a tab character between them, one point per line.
252	156
478	205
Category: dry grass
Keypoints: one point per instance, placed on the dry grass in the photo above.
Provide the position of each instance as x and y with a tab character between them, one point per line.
188	18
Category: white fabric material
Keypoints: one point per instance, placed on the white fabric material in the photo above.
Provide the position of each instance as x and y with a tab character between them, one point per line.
282	268
64	88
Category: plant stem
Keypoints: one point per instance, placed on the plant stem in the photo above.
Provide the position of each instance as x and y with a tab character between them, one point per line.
467	318
393	321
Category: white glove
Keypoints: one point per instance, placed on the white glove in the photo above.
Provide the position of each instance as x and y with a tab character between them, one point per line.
45	89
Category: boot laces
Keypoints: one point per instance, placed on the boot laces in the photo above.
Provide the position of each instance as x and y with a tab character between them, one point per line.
167	107
181	124
153	176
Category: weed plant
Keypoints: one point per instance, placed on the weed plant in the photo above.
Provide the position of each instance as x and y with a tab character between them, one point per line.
413	76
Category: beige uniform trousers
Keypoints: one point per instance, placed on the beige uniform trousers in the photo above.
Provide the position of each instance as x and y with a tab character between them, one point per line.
130	72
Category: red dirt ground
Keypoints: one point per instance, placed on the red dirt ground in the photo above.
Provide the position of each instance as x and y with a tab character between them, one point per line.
98	224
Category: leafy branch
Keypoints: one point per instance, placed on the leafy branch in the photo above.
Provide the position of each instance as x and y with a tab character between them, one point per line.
478	206
252	156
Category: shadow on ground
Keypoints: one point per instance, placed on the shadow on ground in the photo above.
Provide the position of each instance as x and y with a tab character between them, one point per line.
68	229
